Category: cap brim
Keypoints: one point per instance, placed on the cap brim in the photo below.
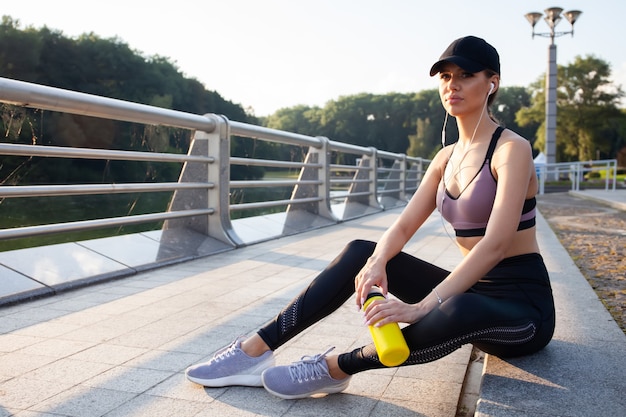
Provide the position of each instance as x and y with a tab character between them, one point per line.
464	63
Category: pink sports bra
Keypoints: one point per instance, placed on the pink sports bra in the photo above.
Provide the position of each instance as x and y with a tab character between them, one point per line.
469	212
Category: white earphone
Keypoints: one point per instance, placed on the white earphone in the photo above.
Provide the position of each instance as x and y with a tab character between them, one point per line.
445	121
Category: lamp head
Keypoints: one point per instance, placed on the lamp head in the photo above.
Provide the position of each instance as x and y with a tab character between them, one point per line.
533	18
553	16
572	16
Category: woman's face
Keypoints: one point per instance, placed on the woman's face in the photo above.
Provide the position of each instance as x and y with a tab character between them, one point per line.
463	92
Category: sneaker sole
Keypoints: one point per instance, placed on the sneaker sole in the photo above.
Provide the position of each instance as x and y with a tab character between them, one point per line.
328	390
253	379
241	380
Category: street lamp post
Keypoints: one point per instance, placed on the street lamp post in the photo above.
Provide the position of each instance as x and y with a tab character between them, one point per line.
552	18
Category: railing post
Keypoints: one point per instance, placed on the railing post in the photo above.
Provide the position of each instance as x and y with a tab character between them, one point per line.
373	178
362	197
315	214
395	181
323	190
413	177
403	178
220	226
216	226
614	164
574	172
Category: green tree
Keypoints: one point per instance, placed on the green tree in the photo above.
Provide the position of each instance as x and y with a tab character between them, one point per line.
105	67
19	50
429	121
508	102
589	122
381	121
301	119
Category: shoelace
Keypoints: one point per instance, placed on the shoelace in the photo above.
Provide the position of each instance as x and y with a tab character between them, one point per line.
309	367
226	351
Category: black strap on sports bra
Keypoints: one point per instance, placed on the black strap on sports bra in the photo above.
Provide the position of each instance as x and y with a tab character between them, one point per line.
494	140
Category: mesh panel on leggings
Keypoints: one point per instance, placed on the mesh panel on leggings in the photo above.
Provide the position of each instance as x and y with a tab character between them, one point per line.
369	353
500	335
288	318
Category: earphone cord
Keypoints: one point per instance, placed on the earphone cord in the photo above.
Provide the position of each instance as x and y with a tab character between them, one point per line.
482	113
443	131
443	196
445	228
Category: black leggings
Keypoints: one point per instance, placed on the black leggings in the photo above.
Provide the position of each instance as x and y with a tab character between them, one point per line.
510	312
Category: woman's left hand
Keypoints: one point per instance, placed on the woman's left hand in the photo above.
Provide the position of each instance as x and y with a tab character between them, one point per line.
383	311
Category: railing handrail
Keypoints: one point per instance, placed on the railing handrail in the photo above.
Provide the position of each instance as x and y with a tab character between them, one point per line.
372	184
575	172
87	153
48	229
57	190
274	135
31	95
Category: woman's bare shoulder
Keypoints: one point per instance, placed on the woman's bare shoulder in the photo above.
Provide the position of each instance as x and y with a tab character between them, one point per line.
441	157
513	140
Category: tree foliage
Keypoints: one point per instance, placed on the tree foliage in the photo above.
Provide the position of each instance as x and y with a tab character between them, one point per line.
396	122
589	121
104	67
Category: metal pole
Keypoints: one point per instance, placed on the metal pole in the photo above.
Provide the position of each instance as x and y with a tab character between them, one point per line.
552	18
551	84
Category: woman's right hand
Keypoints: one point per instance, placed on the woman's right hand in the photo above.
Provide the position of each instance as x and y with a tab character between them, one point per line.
372	274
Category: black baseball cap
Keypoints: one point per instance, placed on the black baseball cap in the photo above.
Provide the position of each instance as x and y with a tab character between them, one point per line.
470	53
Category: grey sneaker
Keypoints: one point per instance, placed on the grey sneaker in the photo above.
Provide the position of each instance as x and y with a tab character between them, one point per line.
231	366
304	378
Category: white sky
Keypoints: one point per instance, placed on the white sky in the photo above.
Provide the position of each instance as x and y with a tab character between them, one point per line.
269	54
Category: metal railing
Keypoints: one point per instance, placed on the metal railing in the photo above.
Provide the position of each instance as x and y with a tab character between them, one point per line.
575	173
201	197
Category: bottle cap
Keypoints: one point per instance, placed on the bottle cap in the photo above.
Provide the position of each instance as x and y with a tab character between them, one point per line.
374	292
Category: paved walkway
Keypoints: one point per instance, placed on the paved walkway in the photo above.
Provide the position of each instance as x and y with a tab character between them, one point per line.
582	372
616	199
120	348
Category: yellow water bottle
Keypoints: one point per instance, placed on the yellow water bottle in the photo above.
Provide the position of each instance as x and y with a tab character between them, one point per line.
390	344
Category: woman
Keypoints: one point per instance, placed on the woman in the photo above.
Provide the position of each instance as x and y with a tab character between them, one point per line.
498	298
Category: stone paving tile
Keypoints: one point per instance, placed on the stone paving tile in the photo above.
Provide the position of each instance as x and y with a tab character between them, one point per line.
84	401
120	348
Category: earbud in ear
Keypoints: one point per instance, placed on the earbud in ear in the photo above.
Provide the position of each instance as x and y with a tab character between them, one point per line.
492	87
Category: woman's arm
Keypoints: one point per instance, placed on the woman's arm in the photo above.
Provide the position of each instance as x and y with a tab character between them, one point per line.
420	207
